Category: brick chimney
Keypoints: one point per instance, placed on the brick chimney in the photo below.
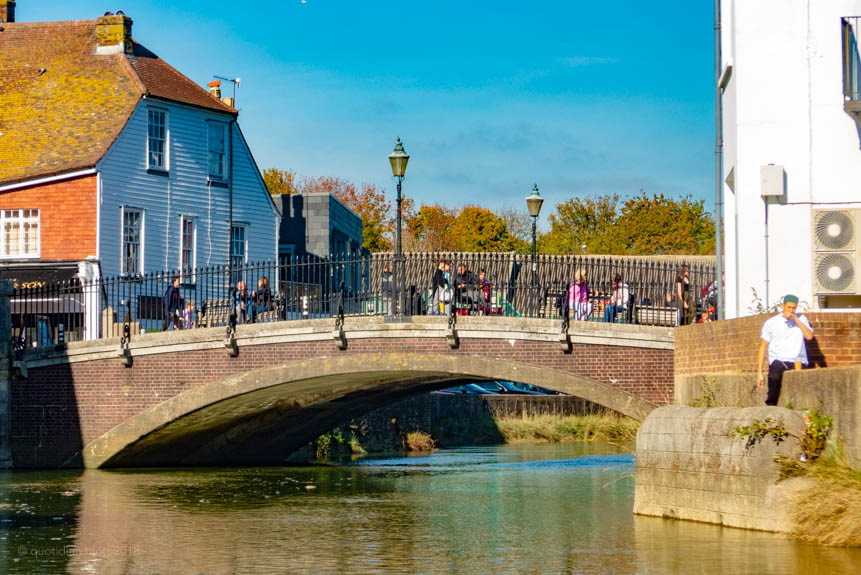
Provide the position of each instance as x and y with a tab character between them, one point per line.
113	34
7	10
215	89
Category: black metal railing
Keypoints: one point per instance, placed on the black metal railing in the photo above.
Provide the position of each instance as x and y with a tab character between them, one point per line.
497	284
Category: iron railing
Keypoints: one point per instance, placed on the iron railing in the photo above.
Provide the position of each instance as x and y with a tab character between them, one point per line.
312	287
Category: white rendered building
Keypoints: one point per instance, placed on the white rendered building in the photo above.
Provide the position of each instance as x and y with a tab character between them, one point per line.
792	152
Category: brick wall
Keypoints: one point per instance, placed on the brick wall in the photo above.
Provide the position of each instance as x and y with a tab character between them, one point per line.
59	409
731	346
67	215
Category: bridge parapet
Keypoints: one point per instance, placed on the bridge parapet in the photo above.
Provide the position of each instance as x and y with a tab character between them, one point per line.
371	327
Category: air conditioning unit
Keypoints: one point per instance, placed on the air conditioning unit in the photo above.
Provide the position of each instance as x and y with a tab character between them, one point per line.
836	252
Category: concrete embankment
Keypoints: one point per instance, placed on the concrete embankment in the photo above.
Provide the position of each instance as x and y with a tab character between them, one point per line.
834	391
689	467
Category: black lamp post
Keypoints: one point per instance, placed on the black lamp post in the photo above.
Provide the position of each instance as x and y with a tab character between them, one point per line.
398	159
533	203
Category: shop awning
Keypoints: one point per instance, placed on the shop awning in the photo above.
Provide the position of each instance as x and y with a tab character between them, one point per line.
39	276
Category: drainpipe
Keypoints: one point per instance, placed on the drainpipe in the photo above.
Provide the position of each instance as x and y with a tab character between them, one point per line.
230	196
718	165
766	253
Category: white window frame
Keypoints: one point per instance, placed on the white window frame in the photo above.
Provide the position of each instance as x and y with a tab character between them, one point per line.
166	159
141	240
244	227
183	218
224	126
22	220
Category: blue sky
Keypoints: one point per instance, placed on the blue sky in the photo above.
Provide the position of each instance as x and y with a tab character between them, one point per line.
488	96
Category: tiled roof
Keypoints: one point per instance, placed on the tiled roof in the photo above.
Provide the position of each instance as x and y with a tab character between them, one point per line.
163	81
62	105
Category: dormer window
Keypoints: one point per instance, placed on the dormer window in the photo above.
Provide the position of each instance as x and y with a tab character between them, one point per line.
217	156
157	139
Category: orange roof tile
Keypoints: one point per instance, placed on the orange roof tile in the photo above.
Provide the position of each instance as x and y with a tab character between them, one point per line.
62	105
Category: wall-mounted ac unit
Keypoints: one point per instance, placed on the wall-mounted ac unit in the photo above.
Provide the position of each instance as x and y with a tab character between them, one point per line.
836	252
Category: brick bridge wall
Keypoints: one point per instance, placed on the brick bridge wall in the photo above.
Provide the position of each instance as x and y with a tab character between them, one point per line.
69	400
731	346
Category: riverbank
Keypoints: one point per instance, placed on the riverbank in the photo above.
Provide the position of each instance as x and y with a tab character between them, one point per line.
555	429
357	438
828	511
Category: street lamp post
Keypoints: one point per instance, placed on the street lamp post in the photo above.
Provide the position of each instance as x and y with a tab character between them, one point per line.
533	203
398	159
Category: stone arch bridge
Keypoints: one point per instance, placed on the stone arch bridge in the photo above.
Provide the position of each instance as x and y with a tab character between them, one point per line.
193	398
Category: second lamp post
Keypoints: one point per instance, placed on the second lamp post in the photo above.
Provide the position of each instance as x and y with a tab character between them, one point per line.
533	203
398	159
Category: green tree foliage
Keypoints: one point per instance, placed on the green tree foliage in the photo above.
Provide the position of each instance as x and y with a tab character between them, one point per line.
642	225
661	225
580	222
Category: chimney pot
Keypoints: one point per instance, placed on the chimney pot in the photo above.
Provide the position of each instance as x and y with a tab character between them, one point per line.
113	34
215	89
7	10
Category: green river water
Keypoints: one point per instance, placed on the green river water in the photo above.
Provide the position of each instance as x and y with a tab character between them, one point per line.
506	509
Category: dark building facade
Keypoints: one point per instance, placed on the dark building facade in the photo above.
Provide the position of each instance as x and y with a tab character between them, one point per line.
317	224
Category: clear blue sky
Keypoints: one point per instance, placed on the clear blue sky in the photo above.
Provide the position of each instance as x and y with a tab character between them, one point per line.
488	96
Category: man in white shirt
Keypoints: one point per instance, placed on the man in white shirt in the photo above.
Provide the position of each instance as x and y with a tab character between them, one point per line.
783	335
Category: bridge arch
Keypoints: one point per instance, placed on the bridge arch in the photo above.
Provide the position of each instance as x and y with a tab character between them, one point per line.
261	416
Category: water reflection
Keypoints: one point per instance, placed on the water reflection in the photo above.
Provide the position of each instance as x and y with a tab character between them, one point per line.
529	509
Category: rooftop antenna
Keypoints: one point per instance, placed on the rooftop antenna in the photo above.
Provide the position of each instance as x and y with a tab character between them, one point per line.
234	81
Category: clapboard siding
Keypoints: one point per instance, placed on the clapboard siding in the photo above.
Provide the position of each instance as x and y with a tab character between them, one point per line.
184	191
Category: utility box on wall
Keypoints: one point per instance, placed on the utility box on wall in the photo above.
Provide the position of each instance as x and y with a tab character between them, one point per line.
772	181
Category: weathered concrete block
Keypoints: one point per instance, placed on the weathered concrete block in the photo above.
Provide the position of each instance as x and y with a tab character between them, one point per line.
688	467
835	391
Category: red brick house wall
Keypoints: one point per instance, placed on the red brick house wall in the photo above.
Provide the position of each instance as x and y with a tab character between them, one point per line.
67	215
731	346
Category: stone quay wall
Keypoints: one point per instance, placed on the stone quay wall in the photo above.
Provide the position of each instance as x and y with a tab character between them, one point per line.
689	468
835	391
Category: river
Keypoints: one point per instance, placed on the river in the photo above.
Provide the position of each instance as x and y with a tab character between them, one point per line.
506	509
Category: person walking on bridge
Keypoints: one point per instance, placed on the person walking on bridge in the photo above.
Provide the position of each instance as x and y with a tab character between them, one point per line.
783	335
172	305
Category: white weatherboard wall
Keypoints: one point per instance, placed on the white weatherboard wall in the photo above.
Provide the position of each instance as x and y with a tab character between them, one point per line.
183	191
783	105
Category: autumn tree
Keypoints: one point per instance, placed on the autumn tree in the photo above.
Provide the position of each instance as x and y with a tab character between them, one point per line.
280	182
477	229
430	227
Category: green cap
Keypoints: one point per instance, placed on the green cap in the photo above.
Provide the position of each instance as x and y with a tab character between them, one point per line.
789	298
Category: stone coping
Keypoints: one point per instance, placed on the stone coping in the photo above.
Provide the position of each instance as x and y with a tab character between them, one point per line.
355	327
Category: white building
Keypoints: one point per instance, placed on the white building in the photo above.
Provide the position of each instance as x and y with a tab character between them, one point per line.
792	152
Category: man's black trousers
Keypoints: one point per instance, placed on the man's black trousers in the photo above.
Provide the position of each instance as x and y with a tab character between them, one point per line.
775	379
